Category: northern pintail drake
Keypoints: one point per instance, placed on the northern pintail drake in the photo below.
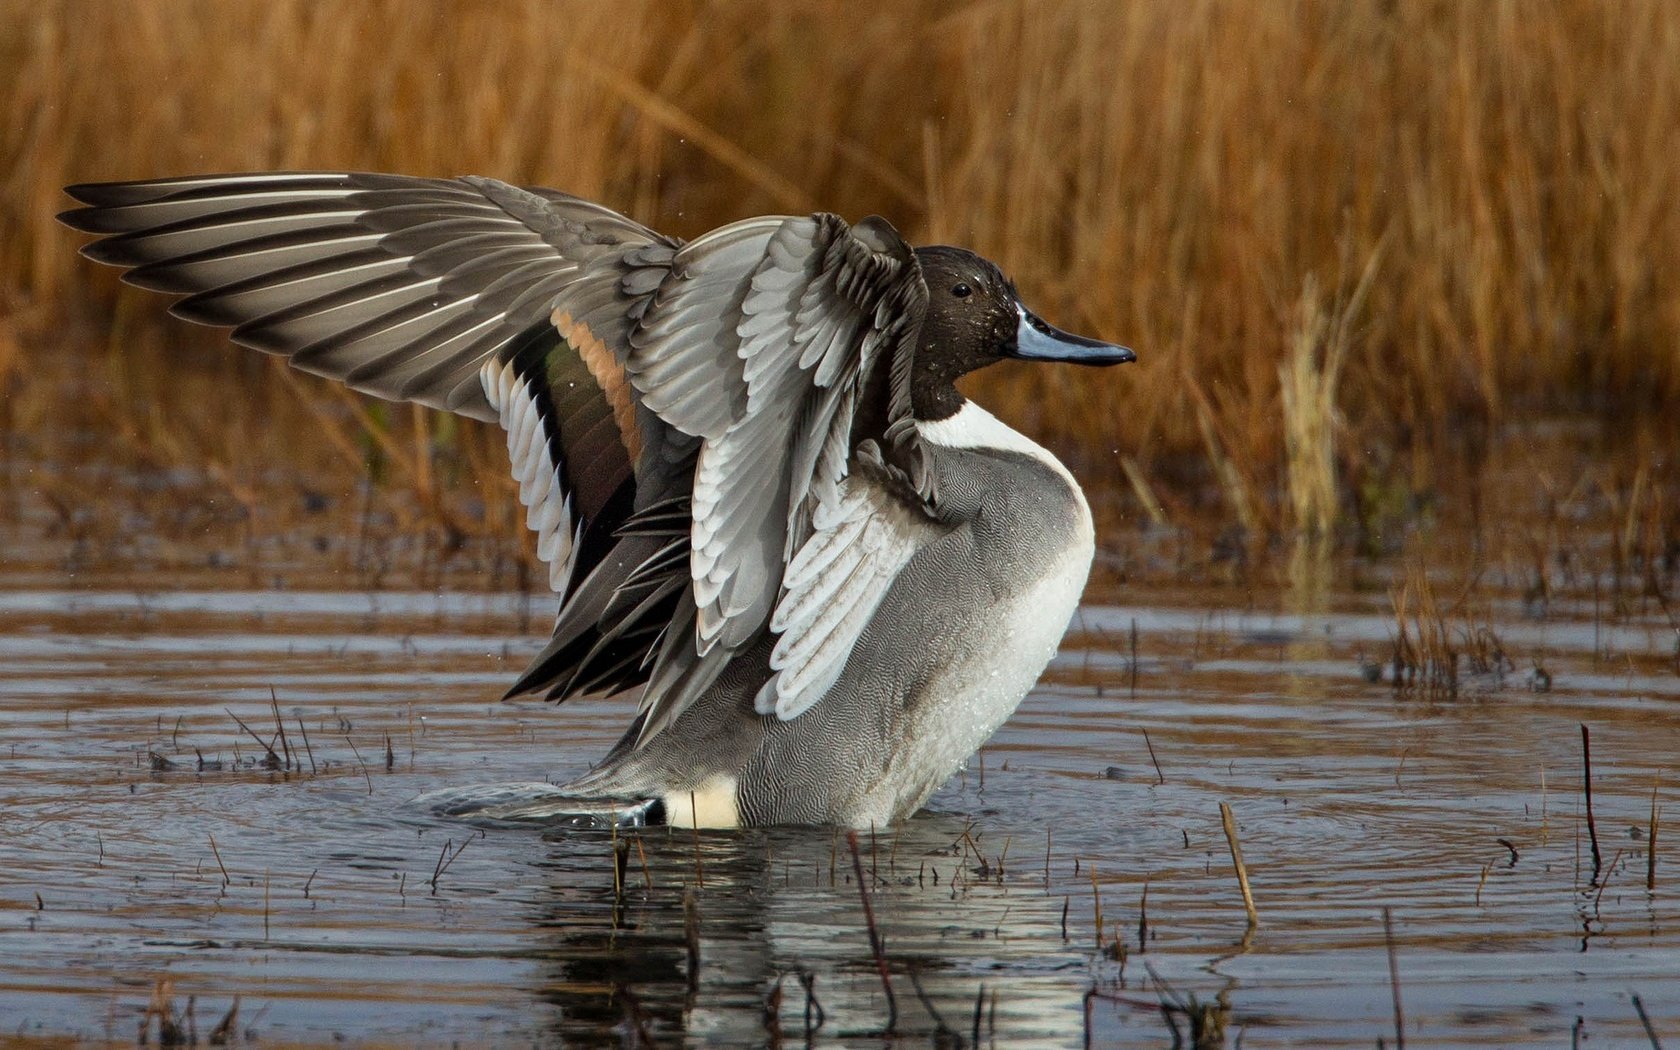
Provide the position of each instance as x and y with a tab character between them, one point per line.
763	504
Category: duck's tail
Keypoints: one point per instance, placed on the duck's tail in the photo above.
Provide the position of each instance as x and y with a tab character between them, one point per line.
540	803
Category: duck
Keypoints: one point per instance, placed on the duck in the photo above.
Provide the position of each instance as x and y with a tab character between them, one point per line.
766	511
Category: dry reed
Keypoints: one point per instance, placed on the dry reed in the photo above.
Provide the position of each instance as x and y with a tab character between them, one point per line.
1166	174
1230	824
1308	381
1440	648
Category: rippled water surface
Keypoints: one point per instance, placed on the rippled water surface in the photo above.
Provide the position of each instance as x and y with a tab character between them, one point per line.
149	856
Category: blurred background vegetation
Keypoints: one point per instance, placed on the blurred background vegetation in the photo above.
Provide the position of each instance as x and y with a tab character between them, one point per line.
1377	257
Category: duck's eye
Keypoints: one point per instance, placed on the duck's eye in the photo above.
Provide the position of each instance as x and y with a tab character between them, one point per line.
961	291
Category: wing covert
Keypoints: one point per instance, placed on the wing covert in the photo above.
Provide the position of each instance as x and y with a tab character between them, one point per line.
833	587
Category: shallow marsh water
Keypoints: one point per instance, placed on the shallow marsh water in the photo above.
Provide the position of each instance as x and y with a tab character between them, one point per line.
316	905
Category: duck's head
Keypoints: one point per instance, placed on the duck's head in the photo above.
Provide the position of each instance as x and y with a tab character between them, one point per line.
975	318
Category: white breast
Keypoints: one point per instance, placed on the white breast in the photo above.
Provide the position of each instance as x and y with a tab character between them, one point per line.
1005	648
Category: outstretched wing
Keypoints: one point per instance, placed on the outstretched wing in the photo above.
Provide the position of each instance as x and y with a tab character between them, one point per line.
505	304
400	287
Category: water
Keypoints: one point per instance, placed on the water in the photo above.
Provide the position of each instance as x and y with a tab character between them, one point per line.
332	909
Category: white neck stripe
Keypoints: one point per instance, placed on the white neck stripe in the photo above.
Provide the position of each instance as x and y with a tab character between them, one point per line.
974	427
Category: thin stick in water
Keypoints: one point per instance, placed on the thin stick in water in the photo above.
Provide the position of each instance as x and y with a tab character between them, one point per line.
874	934
1143	919
1230	823
1160	777
1651	843
621	856
943	1034
1644	1019
225	880
1394	981
306	748
1615	859
647	876
267	746
1592	827
1096	905
446	860
285	747
437	869
357	752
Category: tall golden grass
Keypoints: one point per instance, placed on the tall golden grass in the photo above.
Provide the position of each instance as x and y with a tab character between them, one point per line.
1201	180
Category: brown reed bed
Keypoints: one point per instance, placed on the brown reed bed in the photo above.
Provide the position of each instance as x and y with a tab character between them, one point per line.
1208	183
1440	648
